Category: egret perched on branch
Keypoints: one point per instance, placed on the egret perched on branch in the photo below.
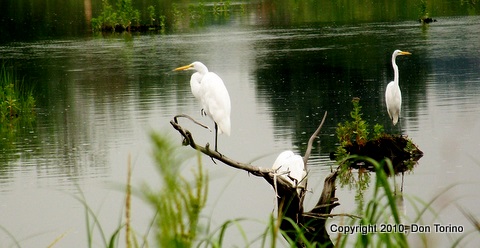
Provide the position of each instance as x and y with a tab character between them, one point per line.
291	167
393	95
210	90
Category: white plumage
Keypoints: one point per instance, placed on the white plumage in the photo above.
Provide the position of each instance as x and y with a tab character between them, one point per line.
290	166
393	95
210	90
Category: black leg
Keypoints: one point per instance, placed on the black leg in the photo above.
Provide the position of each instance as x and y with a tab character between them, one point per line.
401	188
400	127
216	134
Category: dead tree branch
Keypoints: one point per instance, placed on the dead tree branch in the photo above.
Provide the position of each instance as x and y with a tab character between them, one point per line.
290	202
310	141
266	173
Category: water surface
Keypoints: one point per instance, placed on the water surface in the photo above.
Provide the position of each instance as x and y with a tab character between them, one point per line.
99	98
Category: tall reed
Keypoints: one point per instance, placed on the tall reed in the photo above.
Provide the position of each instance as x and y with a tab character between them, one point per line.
16	98
381	210
179	201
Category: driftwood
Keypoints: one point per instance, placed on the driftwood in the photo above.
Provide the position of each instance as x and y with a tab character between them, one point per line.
290	202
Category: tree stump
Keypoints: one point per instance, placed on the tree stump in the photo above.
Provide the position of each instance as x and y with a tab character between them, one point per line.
290	201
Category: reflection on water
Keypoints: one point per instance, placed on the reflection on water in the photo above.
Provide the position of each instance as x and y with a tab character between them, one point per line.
98	98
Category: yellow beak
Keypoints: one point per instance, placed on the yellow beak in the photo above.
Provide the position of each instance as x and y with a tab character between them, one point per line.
182	68
405	53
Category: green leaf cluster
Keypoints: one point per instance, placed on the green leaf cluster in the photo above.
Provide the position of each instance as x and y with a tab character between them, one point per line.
354	131
15	98
124	15
381	209
180	201
349	133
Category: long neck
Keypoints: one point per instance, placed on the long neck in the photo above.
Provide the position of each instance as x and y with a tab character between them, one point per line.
201	68
395	70
195	81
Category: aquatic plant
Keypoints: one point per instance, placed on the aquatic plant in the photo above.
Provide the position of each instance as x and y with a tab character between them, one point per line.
221	8
354	140
108	17
16	98
123	17
197	13
151	13
422	9
179	202
379	218
353	137
127	15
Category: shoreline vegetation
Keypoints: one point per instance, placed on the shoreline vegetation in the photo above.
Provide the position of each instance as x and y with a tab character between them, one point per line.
124	17
16	97
119	16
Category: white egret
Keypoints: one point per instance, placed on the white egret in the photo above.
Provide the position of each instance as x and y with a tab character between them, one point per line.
210	90
393	95
291	167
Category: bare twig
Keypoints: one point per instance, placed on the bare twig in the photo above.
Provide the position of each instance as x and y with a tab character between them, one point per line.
310	141
308	152
190	118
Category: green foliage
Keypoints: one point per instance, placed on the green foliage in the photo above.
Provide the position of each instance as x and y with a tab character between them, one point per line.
124	15
163	22
176	13
151	13
15	98
127	15
422	7
179	202
348	133
355	131
378	131
108	17
197	12
221	8
381	209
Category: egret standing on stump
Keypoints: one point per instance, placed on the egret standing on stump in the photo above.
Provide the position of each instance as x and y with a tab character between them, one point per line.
209	88
393	95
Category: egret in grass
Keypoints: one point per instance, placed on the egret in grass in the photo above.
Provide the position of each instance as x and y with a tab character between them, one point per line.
393	95
291	167
210	90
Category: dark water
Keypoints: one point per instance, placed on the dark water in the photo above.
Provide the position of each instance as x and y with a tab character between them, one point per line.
99	97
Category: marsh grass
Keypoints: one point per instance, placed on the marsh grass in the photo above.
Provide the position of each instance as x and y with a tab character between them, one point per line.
16	98
383	209
93	223
123	16
94	226
179	202
380	209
